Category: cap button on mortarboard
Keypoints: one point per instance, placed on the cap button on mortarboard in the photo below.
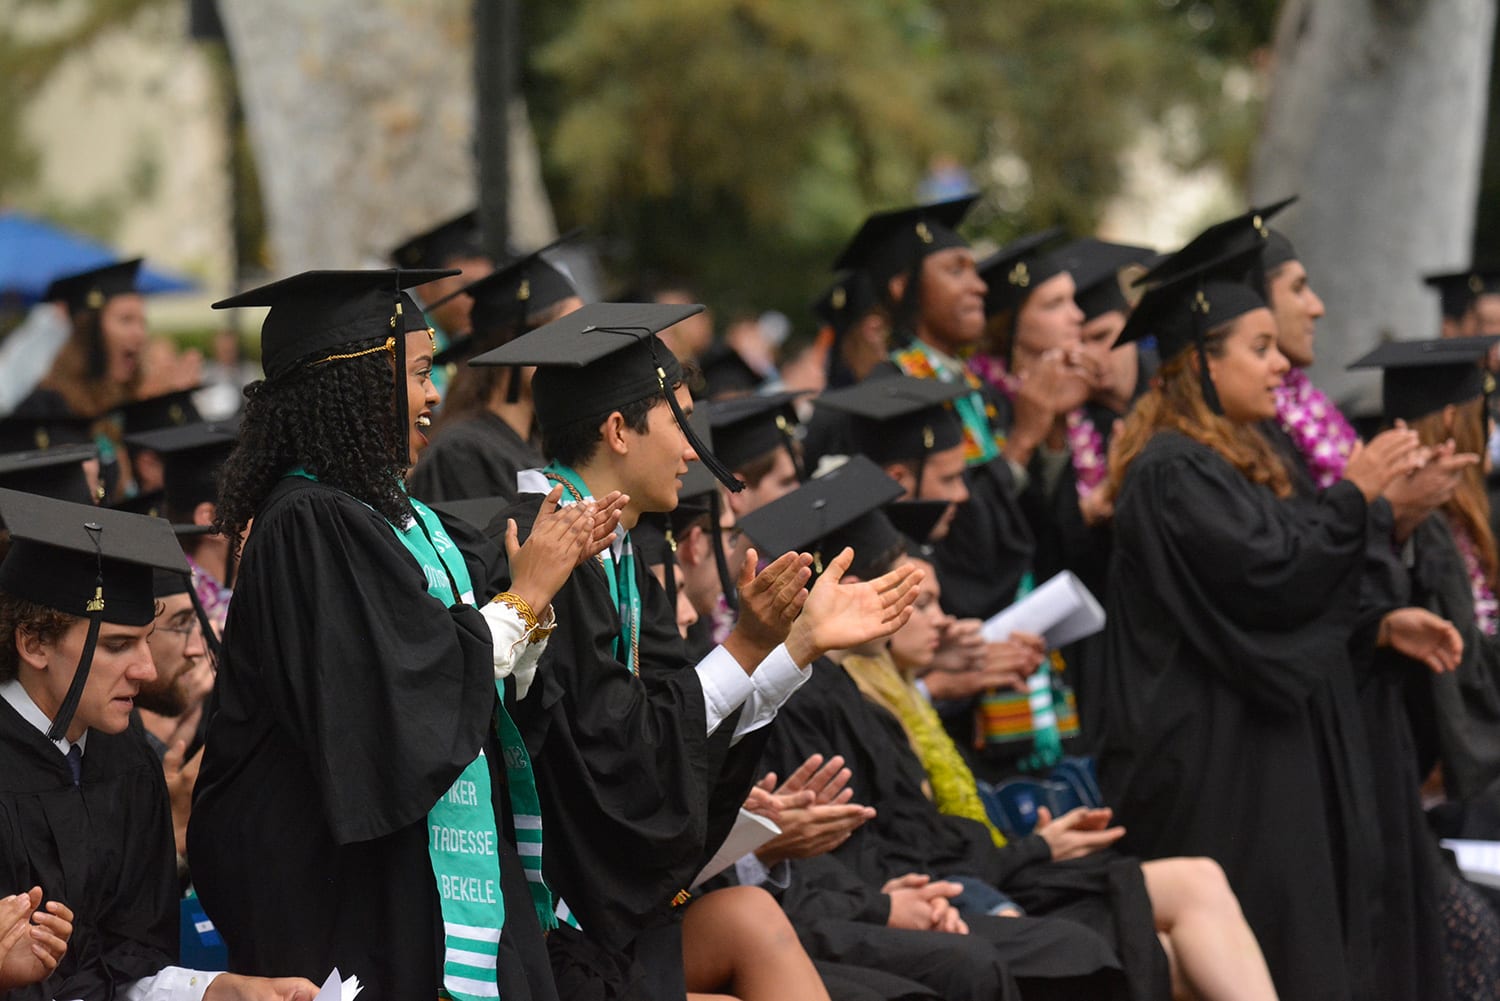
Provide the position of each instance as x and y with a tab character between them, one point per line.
839	298
1020	275
923	233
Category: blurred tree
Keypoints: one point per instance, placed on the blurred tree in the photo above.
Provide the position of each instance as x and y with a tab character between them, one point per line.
737	143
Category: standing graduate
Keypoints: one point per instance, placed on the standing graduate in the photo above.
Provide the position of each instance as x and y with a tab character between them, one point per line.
363	787
642	757
1232	728
486	430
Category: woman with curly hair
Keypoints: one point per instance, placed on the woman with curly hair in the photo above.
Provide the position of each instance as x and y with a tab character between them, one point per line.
362	784
1227	719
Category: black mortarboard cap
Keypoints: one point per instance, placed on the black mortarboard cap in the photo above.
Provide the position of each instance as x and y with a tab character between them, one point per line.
91	289
1276	251
1422	377
809	517
1013	271
1458	290
747	427
1095	266
726	374
84	561
448	241
894	242
38	434
191	458
169	410
506	299
655	538
56	472
1169	313
845	302
899	418
1229	248
600	358
915	519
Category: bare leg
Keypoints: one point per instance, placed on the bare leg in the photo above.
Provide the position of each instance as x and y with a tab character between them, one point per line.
738	940
1214	952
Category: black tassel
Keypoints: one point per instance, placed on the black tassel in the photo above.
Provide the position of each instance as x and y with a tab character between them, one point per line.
210	638
1199	308
669	580
711	462
721	561
403	418
789	439
95	611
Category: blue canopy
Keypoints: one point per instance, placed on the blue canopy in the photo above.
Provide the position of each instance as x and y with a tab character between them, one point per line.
33	252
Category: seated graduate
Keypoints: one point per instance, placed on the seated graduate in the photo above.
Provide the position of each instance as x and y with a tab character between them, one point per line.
1230	723
642	757
1002	701
1063	868
362	786
84	815
485	432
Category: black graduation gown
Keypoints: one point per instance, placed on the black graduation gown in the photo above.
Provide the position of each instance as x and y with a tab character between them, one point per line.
635	794
348	701
475	457
103	847
1103	896
1232	729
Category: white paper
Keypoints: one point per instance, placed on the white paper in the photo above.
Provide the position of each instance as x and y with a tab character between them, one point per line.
336	989
750	831
1479	861
1061	611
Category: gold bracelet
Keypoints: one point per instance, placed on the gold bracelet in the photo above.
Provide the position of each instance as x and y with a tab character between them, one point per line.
518	605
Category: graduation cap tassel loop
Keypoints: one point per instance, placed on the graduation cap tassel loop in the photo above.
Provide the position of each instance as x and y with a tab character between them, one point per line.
95	613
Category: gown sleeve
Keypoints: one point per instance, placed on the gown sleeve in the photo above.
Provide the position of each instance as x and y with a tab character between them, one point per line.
387	692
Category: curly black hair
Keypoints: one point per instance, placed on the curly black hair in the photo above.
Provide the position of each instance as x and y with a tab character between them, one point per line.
336	421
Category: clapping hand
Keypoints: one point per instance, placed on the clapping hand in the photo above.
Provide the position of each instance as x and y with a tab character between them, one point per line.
840	615
32	941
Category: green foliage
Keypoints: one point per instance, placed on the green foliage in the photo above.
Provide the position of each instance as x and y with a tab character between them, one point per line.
738	143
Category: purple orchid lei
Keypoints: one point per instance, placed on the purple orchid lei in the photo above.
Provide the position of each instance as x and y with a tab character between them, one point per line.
1486	608
1321	433
1085	443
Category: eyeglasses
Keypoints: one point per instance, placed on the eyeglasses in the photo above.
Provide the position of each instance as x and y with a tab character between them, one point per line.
184	631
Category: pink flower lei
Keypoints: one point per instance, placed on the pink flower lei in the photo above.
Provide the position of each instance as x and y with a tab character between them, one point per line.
1486	608
1320	432
1085	443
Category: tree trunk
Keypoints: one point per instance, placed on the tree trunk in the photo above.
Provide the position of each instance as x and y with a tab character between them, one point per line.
1376	117
361	114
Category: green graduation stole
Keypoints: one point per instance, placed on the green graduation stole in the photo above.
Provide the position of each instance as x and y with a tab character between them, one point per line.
980	444
623	586
463	846
1044	714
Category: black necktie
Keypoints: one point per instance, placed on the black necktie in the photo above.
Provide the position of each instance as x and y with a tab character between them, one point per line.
75	763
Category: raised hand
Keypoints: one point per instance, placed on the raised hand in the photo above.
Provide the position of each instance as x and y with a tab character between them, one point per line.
838	615
32	941
1414	496
1390	454
560	539
770	601
1423	636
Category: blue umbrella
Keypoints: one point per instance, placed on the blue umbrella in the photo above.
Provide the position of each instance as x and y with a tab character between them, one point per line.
33	252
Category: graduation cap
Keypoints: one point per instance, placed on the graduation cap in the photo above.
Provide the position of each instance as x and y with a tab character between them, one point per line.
726	374
169	410
1422	377
899	418
91	289
809	518
1016	269
506	299
845	302
655	538
1231	248
56	472
448	241
191	457
316	312
38	434
748	427
1457	291
896	242
600	358
915	520
84	561
1095	266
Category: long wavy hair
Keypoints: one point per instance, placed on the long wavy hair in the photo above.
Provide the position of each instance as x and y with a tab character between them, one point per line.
335	421
1470	504
1175	403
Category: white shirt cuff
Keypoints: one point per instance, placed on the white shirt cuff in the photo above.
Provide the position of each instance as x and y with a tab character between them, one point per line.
514	653
170	983
726	686
774	680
